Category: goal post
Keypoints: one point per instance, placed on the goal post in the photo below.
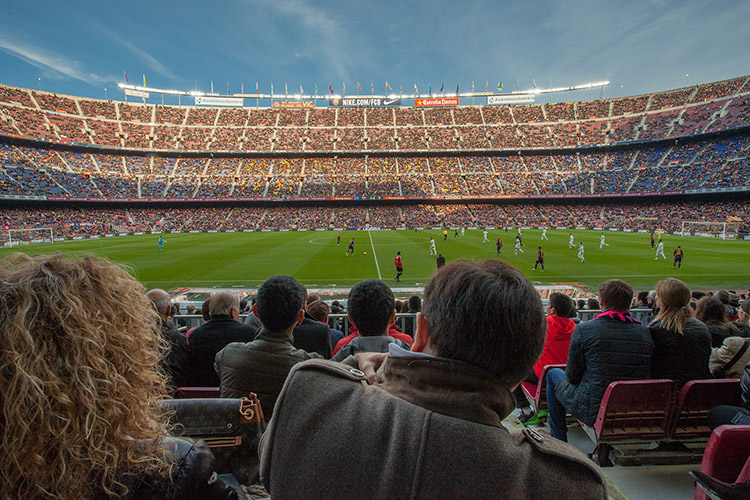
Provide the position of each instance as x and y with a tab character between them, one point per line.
27	236
712	229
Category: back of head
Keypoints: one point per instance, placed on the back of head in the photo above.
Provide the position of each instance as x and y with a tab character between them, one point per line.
80	378
161	301
723	296
370	306
312	297
205	310
673	296
710	309
563	305
487	314
415	303
279	302
318	310
593	304
615	295
222	303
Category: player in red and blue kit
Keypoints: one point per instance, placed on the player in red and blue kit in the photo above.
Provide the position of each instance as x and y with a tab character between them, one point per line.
499	245
677	258
539	259
351	248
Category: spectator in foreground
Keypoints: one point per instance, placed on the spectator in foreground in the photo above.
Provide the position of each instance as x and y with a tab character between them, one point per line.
479	333
556	345
612	346
261	366
211	337
729	360
371	311
175	362
95	430
682	343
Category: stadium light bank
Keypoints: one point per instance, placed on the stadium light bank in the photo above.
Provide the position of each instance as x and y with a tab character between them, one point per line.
143	92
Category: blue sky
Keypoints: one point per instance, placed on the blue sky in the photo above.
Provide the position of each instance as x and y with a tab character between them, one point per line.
81	47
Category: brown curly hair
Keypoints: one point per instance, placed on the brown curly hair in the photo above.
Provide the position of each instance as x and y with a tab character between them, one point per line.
79	378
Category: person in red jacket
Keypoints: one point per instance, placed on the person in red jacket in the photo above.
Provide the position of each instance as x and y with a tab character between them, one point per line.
559	330
399	266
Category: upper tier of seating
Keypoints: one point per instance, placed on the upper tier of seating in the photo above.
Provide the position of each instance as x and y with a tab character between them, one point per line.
675	113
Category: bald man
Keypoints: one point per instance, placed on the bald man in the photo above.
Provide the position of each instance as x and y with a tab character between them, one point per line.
211	337
175	363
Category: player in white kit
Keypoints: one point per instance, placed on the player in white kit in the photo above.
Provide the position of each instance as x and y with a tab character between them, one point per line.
580	252
485	240
433	250
518	247
571	244
660	251
544	234
601	242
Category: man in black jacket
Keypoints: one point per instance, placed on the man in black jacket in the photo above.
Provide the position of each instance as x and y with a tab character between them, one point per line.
211	337
312	335
175	363
612	346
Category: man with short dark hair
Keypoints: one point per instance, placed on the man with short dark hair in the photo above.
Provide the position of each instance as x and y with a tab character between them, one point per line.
612	346
211	337
415	305
431	427
261	366
312	335
371	311
175	362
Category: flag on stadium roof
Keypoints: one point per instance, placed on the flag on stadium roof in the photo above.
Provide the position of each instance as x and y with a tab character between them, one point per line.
286	89
500	85
387	86
144	81
487	86
415	89
359	86
456	88
228	88
316	89
331	89
343	85
372	87
271	88
242	87
126	75
442	88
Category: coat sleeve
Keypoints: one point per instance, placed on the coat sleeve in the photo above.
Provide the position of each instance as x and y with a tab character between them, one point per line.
576	360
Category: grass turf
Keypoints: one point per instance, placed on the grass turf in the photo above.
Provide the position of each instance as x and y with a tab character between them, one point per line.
247	259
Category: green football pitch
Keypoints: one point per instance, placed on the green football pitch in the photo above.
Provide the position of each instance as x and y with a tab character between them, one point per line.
314	258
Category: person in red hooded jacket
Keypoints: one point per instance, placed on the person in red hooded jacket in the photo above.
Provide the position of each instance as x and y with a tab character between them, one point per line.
556	346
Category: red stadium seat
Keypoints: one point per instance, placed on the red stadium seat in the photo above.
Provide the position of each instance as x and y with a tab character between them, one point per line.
537	393
696	398
633	413
727	456
196	392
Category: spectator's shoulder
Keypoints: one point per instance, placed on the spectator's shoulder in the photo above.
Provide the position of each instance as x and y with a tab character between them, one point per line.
317	367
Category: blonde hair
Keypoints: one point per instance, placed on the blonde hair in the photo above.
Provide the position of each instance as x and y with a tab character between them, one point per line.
79	378
674	296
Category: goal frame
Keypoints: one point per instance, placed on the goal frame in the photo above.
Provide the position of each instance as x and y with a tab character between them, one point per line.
722	225
28	230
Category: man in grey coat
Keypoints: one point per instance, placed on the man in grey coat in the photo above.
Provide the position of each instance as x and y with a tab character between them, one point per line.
431	426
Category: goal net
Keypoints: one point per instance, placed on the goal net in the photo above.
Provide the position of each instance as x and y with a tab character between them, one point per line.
723	230
28	236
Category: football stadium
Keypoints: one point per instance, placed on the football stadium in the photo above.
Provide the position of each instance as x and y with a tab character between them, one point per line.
440	236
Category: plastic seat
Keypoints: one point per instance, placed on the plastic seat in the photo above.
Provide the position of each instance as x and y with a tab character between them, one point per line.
697	397
537	393
196	392
727	456
635	411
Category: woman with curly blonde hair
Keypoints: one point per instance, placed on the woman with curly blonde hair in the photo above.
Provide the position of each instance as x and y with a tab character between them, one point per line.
79	383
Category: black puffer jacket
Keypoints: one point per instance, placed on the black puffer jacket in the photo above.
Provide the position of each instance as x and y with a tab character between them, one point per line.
681	356
192	477
602	351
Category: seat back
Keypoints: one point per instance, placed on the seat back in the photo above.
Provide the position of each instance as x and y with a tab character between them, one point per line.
696	398
537	393
726	453
634	411
196	392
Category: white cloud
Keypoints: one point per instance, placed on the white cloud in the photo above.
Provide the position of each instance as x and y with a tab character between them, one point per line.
49	60
150	60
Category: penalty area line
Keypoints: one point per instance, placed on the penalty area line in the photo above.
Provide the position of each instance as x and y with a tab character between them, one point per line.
374	255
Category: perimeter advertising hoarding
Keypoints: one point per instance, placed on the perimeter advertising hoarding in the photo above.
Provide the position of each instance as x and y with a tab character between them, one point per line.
219	101
363	101
293	104
440	101
511	99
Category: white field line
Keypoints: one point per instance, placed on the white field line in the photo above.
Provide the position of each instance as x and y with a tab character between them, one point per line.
377	266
